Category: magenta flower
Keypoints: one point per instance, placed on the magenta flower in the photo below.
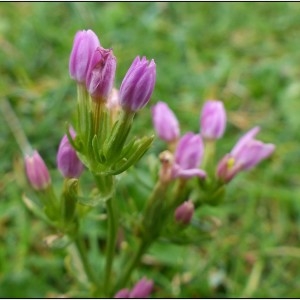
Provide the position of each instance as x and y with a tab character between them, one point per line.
142	289
165	122
68	162
188	156
37	172
122	294
245	155
101	74
184	212
84	45
213	120
138	84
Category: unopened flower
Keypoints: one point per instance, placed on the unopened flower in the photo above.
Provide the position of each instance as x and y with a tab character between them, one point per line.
138	84
142	289
188	156
101	74
122	294
165	122
167	163
213	120
68	162
245	155
184	212
37	172
84	45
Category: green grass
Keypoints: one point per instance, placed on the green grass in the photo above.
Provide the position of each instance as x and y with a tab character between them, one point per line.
246	54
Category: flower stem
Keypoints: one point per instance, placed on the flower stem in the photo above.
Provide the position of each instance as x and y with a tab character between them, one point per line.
111	241
84	259
132	264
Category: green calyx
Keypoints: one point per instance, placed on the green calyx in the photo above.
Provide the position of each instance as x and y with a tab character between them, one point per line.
103	147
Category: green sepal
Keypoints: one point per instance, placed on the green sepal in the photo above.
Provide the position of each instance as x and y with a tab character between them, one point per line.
89	138
99	157
115	142
103	129
68	203
136	151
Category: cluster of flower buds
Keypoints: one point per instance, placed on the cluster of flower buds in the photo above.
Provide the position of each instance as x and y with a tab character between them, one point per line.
105	115
190	148
95	66
142	289
102	130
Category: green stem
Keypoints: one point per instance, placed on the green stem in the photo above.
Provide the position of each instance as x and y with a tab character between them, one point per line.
153	220
84	259
111	242
209	156
106	187
131	265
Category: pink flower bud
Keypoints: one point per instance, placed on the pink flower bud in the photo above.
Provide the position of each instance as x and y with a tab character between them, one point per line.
165	122
122	294
184	212
142	289
245	155
188	156
138	84
101	74
68	162
84	45
37	172
213	120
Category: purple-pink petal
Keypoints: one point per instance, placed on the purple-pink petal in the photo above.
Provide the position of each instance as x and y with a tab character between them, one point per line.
138	84
68	162
213	120
189	151
184	212
37	171
244	140
253	153
165	122
188	173
122	294
84	45
142	289
101	74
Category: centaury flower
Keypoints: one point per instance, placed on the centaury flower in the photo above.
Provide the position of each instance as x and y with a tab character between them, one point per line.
84	45
245	155
138	84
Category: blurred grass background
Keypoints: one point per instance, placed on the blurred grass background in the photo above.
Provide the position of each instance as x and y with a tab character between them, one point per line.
246	54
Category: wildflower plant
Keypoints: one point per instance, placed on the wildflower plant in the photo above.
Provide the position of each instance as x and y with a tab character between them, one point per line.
99	143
